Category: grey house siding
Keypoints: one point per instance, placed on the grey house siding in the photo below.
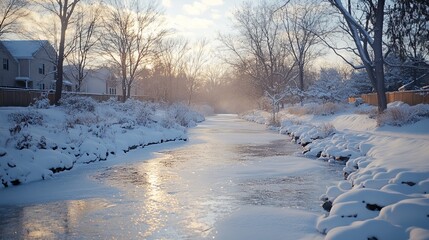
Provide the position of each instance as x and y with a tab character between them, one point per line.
7	76
43	68
34	66
24	68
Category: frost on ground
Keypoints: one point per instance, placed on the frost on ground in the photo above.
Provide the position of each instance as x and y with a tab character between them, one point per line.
385	194
39	141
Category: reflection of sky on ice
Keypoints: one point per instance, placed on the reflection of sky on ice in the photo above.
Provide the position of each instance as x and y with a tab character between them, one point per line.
189	192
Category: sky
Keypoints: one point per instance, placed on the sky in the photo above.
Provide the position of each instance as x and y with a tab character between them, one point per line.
199	18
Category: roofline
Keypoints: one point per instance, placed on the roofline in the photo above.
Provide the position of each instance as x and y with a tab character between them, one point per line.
43	45
7	51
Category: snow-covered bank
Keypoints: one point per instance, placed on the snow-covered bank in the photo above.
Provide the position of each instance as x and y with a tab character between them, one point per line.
41	140
385	194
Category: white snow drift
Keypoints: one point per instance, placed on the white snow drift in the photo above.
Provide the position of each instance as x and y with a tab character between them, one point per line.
385	194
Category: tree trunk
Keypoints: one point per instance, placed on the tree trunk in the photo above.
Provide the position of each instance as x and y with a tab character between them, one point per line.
60	64
124	90
124	79
273	117
128	90
378	55
301	81
301	76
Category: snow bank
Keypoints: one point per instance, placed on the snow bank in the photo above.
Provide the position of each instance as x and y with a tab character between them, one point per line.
39	141
385	194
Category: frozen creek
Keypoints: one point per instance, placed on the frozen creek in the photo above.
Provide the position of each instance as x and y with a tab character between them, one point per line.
232	180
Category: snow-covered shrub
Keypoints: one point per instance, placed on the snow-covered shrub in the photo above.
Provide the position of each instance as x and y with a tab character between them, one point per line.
78	104
99	130
145	114
324	109
24	141
421	110
127	123
328	108
26	118
41	103
42	143
184	116
257	116
398	114
330	87
81	118
297	110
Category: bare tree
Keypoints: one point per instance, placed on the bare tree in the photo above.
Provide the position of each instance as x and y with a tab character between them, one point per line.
11	11
367	34
85	29
259	50
196	59
304	22
132	32
172	61
63	10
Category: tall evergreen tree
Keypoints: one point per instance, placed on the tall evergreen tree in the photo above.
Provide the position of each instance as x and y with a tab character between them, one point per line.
408	34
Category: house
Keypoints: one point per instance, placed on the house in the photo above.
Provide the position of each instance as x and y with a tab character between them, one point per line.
28	64
100	81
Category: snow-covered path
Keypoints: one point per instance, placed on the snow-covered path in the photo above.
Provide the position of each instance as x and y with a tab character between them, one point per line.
232	180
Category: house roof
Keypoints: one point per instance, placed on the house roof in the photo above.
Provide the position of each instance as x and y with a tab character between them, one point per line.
24	49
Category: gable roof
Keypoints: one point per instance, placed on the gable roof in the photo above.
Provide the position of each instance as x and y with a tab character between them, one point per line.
24	49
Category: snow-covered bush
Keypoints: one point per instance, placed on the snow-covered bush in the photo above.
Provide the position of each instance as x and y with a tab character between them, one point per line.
24	141
184	116
78	103
324	109
25	118
257	116
41	103
297	110
328	108
81	118
145	114
398	114
330	87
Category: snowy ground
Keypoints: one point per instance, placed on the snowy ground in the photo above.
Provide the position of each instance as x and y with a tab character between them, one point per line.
385	195
39	141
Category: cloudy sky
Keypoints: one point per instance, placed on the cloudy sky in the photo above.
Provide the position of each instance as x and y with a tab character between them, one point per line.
199	18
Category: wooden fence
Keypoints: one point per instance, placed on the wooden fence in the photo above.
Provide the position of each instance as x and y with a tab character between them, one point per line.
25	97
409	97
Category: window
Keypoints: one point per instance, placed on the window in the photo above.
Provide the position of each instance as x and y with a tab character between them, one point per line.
5	64
42	86
112	91
42	69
